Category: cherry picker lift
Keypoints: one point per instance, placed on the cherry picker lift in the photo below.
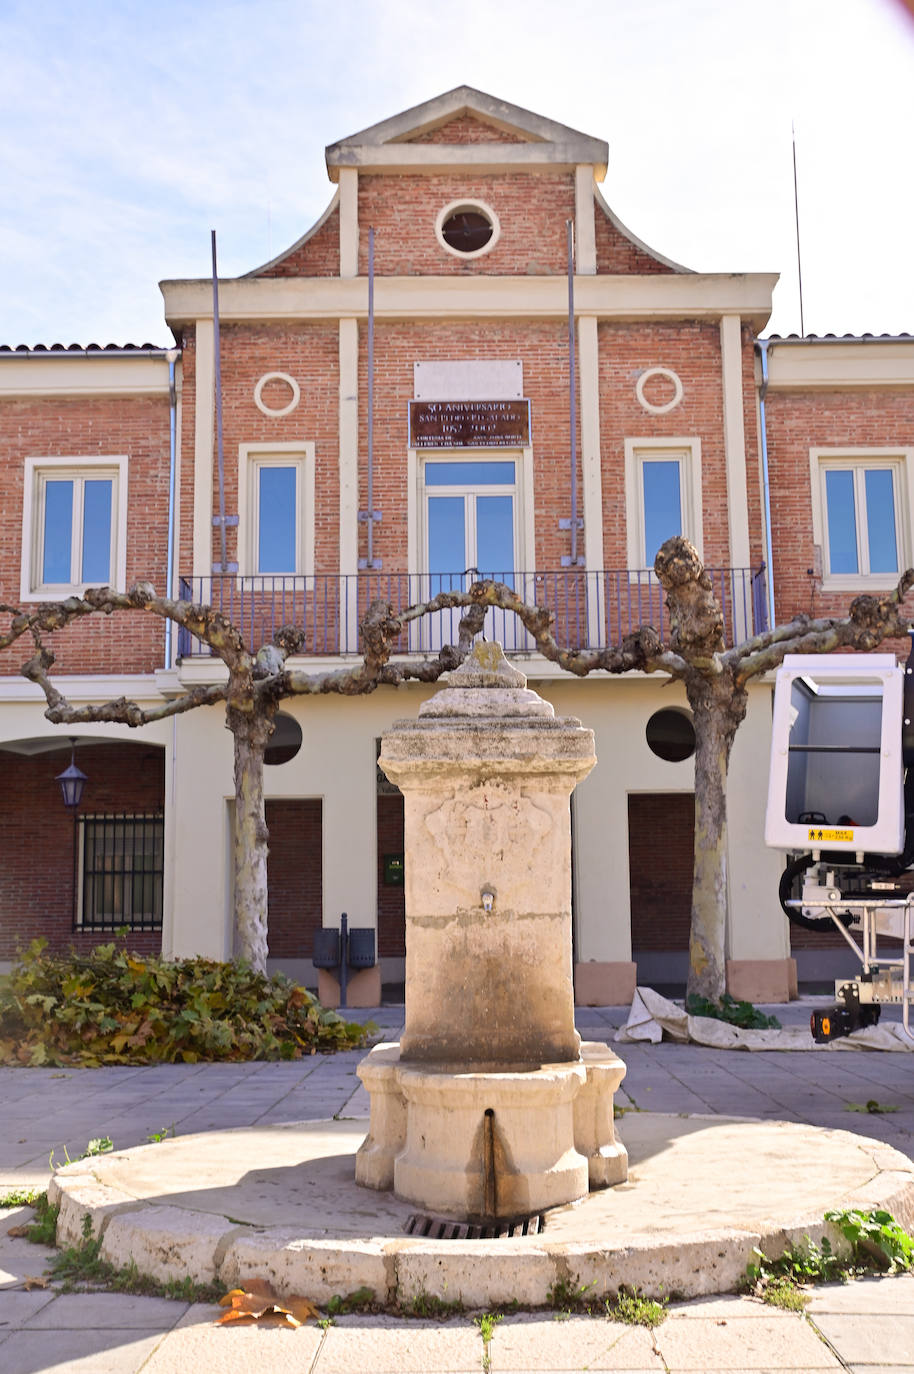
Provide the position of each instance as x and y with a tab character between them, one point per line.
841	803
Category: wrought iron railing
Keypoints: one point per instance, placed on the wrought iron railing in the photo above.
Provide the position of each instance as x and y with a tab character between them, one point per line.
590	609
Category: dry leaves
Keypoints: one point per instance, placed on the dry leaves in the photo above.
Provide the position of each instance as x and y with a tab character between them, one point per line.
256	1302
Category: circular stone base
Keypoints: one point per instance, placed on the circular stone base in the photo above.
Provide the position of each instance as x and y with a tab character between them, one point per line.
281	1203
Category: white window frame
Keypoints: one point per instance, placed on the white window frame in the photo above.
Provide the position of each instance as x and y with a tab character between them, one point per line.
77	468
417	536
687	452
522	458
900	461
251	459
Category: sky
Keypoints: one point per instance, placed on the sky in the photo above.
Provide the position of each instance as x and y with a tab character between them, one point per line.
131	129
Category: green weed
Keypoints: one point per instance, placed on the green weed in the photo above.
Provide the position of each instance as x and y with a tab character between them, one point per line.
20	1197
360	1300
81	1266
876	1239
487	1324
742	1014
877	1243
428	1305
43	1230
635	1309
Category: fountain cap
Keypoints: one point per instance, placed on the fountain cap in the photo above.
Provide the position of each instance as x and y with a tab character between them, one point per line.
471	689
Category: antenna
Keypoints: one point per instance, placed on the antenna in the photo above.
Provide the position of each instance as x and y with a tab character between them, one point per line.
796	216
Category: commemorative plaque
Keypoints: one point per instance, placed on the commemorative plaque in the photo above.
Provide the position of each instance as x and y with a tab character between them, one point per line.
469	424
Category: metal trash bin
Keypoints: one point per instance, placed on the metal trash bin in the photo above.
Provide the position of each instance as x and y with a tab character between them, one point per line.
361	947
326	952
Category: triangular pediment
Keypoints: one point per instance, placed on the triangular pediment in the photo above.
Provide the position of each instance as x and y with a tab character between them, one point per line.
469	126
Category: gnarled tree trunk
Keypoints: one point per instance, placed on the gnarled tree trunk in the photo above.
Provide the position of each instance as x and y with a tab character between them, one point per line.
250	732
718	706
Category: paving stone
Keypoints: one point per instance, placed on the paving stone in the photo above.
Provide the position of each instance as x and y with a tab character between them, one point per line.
535	1342
386	1346
107	1312
77	1352
859	1338
763	1343
894	1293
197	1344
726	1307
18	1306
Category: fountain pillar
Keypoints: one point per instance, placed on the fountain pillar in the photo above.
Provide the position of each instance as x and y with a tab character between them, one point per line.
488	1106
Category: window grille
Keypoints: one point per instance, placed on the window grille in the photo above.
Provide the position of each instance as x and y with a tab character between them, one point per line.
121	872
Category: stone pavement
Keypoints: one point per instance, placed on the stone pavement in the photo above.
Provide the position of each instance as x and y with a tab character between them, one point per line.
866	1325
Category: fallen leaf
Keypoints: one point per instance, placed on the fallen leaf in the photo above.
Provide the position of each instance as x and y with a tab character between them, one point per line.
256	1301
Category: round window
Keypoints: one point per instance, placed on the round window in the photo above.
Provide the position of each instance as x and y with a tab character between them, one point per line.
467	231
285	740
467	228
670	735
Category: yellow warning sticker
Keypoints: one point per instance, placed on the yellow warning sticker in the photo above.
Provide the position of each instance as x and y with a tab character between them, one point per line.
817	836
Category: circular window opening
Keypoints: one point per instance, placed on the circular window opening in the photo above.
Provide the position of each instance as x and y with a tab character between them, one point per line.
285	740
467	228
467	231
670	735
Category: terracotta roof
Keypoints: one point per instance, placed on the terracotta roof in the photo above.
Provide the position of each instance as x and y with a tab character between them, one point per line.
84	348
834	338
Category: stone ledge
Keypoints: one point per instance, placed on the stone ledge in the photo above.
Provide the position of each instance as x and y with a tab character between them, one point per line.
702	1192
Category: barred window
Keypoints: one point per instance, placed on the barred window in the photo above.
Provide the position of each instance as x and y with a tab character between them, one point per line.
121	872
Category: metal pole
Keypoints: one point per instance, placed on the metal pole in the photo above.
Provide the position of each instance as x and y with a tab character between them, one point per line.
371	398
796	216
219	455
75	903
172	465
572	396
344	957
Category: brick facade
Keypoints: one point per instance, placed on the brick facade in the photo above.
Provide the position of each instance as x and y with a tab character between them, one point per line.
80	427
293	316
36	867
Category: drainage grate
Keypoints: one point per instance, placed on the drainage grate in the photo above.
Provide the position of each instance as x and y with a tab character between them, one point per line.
441	1228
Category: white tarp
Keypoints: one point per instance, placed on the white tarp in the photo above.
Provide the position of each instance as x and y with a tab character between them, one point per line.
652	1017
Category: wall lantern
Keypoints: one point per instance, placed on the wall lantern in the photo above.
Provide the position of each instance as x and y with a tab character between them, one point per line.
72	781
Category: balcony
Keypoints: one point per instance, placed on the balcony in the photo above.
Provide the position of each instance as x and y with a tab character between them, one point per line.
591	609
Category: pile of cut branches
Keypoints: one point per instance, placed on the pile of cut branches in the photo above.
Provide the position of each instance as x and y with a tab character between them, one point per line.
113	1007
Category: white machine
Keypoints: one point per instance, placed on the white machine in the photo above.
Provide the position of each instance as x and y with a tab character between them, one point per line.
841	802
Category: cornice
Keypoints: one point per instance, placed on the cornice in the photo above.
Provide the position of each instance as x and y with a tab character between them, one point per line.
655	296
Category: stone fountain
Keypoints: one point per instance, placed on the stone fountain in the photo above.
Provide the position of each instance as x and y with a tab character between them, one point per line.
490	1106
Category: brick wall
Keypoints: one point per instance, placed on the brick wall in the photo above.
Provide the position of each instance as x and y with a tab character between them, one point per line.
692	350
661	828
532	209
617	255
36	837
467	128
56	426
294	876
798	421
318	256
